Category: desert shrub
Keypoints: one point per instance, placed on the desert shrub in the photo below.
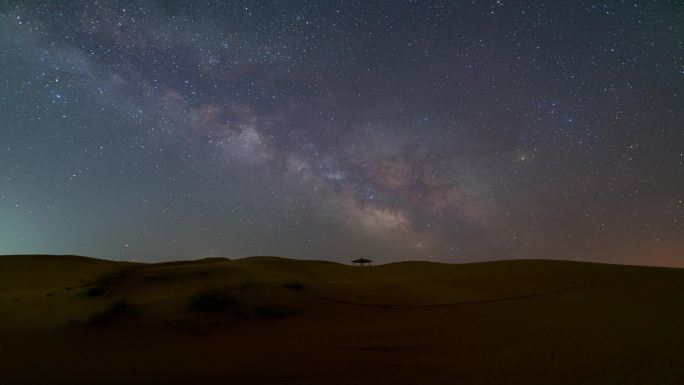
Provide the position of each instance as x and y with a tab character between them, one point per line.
213	300
251	285
297	286
119	310
273	311
111	277
175	276
97	291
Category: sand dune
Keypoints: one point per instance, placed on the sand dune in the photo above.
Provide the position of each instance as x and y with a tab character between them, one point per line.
267	320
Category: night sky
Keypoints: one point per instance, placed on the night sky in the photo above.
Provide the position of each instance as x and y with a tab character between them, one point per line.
430	130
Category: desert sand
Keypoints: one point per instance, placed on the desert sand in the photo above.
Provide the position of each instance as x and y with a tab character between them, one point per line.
268	320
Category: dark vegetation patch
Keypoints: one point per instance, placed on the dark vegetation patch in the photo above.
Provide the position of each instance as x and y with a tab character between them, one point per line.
251	284
103	284
165	277
213	301
97	291
296	286
112	277
273	311
118	311
209	260
218	301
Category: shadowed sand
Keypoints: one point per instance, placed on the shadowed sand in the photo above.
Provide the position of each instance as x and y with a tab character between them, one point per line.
266	320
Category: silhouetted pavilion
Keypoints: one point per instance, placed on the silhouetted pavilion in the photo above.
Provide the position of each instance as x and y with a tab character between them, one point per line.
361	261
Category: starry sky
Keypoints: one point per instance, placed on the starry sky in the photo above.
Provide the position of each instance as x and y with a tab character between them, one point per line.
451	131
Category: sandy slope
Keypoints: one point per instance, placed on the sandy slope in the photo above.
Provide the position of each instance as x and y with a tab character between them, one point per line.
269	320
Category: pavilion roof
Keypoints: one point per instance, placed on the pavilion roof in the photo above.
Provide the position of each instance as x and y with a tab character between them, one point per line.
361	260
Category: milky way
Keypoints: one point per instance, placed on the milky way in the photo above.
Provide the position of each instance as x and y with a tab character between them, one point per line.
447	131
